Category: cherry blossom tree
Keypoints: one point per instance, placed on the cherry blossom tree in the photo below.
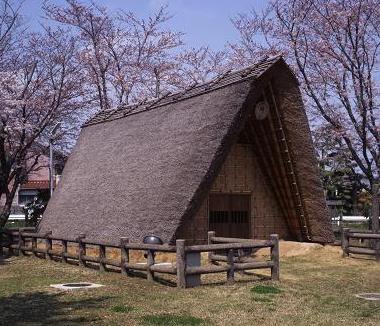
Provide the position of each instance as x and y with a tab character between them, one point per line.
198	65
40	84
186	69
334	48
122	54
129	59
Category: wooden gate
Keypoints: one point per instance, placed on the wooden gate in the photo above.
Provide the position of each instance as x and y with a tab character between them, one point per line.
229	215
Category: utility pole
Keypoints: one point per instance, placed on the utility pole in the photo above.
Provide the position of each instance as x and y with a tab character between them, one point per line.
51	167
157	75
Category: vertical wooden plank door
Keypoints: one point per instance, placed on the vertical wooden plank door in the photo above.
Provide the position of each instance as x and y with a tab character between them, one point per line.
229	215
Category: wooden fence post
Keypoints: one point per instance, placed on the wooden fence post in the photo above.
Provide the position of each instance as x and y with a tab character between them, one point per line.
210	235
81	249
102	257
150	262
64	251
2	236
275	257
181	264
21	242
231	270
48	245
11	252
34	246
345	241
124	255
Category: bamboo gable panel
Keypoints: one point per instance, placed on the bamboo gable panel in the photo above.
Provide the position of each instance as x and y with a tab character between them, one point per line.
241	174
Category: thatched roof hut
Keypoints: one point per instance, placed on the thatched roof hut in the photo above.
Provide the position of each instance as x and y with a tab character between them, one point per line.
233	155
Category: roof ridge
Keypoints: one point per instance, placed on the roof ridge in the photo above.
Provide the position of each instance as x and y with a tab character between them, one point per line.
224	79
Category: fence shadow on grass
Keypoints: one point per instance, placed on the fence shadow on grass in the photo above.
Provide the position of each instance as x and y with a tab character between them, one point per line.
42	308
366	258
253	278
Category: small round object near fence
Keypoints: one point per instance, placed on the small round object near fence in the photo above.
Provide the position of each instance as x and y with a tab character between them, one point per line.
368	296
152	239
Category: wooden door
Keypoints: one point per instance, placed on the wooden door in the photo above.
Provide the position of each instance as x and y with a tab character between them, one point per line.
229	215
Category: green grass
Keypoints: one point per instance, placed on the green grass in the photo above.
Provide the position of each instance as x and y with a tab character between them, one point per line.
122	309
171	320
317	288
265	289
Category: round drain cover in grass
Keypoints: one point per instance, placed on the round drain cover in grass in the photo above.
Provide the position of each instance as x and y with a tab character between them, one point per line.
76	286
368	296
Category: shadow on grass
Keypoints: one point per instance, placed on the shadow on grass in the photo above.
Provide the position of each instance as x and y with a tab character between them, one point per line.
362	257
41	308
258	278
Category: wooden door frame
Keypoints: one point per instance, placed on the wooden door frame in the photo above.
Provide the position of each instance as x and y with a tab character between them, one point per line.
243	193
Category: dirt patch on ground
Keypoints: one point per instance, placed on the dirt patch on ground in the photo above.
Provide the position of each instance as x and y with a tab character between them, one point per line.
292	248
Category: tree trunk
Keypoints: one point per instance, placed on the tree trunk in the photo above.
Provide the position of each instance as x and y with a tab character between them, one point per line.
6	209
375	207
9	196
4	213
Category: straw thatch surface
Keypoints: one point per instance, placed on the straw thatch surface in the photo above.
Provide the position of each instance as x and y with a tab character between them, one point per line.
144	169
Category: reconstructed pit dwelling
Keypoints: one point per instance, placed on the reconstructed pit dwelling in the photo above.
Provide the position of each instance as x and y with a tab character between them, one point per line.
233	155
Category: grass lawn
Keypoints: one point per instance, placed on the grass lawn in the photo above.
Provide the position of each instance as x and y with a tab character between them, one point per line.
317	288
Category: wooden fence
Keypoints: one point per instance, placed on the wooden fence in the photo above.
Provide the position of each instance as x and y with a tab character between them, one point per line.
224	255
352	243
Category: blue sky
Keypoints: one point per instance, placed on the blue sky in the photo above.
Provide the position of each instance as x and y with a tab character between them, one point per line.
205	22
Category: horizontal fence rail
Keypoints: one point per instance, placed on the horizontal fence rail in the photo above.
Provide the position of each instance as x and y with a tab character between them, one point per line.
224	254
368	244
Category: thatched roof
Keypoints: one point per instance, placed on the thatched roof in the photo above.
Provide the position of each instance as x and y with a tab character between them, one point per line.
145	168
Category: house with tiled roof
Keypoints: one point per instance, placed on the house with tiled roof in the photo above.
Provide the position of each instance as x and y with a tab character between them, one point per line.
36	184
